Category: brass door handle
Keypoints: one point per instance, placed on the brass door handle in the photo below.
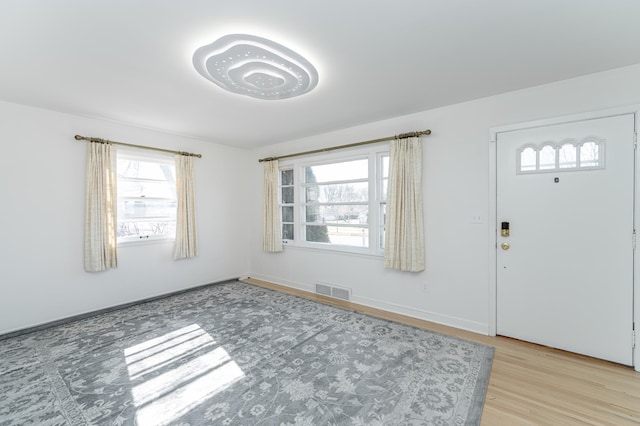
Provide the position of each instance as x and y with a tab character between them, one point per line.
505	246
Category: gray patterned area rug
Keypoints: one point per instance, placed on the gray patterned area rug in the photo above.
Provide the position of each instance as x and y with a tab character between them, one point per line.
237	354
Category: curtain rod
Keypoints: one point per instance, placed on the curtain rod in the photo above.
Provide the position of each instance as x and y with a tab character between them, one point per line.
85	138
315	151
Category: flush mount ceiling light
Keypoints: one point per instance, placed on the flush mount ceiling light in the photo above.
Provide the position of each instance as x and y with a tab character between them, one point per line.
256	67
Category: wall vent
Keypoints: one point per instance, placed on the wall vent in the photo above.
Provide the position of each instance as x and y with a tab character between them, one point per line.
333	291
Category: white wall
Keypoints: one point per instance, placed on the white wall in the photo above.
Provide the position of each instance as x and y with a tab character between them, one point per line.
456	186
42	191
42	210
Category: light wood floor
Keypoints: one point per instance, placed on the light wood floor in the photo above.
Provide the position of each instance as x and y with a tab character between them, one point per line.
532	384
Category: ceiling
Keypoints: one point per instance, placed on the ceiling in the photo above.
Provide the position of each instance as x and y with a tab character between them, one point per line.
131	60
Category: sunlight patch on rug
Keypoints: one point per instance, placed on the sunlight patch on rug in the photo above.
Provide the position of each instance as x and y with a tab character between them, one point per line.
183	386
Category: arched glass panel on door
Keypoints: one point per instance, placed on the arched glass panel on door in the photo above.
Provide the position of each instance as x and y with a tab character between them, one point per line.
547	158
590	154
567	156
528	160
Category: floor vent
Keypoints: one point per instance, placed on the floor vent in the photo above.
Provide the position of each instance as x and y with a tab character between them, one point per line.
333	291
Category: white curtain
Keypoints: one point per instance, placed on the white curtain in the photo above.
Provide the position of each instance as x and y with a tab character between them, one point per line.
100	246
272	227
186	237
404	235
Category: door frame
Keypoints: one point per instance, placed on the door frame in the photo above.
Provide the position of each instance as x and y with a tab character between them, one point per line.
493	209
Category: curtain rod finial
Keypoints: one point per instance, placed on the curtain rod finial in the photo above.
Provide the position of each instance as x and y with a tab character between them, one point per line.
77	137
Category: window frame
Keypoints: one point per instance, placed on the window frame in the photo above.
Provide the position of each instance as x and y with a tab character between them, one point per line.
150	157
374	155
282	205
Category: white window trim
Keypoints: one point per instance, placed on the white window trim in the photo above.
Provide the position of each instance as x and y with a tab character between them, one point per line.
374	154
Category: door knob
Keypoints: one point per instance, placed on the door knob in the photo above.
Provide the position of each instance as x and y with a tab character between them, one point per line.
505	246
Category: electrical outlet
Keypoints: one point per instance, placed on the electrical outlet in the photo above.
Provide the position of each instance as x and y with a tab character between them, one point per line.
476	219
425	287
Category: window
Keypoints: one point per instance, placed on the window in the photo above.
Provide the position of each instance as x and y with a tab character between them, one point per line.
146	196
589	154
528	159
569	155
335	202
286	197
547	158
383	173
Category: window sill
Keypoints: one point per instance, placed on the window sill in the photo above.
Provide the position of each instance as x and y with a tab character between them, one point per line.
333	251
145	241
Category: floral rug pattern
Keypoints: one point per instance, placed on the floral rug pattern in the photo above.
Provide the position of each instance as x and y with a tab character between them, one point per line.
237	354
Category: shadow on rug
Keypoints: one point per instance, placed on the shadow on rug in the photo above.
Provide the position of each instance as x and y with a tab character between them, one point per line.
236	354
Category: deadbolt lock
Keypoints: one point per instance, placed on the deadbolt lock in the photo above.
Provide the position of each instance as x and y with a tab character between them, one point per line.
505	246
504	229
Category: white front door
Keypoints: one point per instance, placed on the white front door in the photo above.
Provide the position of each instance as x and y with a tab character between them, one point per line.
565	272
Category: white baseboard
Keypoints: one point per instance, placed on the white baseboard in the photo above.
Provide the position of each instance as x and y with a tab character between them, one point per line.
450	321
283	282
463	324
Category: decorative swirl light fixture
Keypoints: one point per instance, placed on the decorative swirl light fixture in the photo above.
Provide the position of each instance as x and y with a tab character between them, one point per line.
256	67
